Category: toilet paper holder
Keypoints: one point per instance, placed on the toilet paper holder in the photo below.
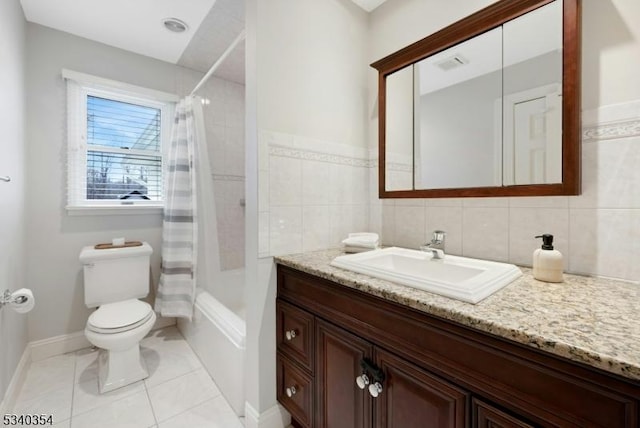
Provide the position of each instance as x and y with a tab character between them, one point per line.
7	298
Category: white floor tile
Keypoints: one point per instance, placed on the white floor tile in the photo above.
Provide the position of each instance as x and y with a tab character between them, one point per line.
214	413
179	392
162	335
167	358
177	395
86	365
133	411
56	403
86	396
63	424
48	375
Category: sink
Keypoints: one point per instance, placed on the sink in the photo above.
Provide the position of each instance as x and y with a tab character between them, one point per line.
461	278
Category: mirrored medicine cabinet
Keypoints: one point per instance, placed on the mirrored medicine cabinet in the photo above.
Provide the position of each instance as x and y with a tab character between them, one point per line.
488	106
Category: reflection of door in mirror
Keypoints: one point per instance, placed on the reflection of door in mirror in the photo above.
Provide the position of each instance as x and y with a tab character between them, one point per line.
533	136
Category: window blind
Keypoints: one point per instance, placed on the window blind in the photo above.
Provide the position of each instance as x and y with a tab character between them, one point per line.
123	156
115	143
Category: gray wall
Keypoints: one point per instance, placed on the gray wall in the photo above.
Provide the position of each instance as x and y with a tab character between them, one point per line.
13	326
54	238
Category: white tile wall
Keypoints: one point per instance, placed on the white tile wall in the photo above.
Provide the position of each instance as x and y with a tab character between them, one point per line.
224	123
598	232
312	193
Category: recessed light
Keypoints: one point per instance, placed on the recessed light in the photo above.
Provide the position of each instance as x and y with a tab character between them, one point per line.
175	25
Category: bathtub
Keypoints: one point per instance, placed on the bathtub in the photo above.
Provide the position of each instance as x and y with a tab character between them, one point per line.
217	334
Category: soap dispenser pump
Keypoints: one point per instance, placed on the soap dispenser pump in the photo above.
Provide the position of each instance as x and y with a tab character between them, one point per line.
547	262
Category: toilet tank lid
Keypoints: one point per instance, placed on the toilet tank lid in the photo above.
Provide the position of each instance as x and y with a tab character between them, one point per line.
90	254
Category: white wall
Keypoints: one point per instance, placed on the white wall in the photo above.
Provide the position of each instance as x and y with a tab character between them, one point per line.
312	68
13	326
310	125
54	238
598	231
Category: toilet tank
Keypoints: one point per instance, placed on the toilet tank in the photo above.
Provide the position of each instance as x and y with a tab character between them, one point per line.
115	274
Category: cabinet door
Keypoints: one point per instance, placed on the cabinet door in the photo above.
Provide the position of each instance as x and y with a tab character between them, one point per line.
413	398
340	403
486	416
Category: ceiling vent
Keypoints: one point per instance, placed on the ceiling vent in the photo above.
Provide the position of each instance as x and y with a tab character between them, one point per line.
452	62
175	25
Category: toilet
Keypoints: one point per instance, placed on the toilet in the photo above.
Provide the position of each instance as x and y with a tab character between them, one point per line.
114	280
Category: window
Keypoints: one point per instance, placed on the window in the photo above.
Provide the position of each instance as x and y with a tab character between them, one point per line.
116	135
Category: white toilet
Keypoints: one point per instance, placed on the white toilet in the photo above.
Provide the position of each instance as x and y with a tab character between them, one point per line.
114	280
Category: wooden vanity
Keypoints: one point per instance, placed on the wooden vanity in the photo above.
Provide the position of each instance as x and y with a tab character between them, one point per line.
424	370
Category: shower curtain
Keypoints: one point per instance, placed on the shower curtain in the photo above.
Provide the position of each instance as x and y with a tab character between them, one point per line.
188	246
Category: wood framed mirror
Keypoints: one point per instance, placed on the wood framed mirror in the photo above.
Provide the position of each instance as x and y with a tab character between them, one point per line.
488	106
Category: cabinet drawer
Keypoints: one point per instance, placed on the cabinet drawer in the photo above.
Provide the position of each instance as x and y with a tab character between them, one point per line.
487	416
295	391
295	334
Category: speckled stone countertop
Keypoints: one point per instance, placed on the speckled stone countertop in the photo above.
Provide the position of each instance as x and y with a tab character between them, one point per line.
594	321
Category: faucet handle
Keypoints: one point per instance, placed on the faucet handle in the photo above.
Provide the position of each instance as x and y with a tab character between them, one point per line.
438	236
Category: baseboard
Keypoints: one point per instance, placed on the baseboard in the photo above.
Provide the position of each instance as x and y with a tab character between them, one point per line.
58	345
11	394
274	417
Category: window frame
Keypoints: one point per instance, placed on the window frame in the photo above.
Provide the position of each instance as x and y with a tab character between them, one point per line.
79	87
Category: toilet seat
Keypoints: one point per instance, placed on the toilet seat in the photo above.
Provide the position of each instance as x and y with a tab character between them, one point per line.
118	317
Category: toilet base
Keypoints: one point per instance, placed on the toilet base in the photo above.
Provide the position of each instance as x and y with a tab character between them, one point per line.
120	368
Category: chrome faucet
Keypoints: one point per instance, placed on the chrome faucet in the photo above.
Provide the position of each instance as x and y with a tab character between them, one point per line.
436	246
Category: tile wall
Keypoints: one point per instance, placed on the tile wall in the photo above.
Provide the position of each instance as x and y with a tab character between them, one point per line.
312	193
224	122
598	231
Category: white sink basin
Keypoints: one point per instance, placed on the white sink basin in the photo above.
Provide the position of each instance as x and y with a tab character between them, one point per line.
462	278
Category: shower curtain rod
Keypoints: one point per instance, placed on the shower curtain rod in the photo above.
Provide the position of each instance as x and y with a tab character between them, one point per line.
220	60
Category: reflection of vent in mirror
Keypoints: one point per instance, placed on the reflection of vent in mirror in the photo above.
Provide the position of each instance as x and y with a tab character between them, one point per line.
452	62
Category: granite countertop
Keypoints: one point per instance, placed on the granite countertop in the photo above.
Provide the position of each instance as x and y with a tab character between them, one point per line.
594	321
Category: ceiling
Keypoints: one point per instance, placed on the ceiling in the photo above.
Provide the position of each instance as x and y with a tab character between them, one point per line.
213	25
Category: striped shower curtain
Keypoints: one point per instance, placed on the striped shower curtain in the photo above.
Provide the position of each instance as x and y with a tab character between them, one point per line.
176	289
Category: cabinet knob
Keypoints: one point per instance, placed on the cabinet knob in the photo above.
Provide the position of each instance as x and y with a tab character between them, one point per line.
362	381
290	334
375	389
291	391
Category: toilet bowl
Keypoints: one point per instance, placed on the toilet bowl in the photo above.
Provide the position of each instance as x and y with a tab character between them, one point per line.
114	280
117	328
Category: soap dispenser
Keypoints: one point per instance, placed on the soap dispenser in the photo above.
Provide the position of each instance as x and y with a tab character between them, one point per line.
547	262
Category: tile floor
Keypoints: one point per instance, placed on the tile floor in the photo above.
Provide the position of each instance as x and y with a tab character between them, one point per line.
178	392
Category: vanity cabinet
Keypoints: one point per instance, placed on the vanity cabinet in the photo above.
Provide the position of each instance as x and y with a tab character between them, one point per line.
429	372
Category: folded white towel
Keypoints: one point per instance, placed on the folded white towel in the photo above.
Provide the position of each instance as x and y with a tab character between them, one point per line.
363	240
350	249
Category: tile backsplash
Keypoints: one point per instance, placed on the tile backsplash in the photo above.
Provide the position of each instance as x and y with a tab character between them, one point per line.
598	231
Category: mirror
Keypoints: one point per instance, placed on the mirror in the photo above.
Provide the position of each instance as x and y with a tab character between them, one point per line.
488	106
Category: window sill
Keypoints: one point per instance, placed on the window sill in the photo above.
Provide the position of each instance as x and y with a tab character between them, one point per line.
114	210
